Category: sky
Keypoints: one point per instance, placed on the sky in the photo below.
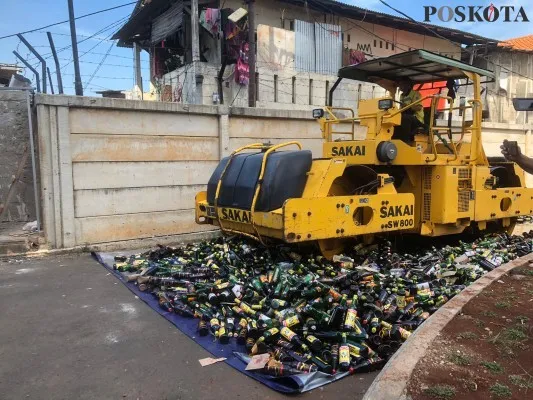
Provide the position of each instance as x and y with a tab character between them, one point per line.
116	70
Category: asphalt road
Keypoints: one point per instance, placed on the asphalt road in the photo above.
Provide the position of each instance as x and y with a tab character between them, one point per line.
70	330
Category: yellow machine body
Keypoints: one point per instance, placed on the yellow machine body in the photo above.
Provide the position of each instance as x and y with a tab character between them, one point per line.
446	185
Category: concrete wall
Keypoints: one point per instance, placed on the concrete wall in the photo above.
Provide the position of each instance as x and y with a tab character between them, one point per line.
16	182
121	170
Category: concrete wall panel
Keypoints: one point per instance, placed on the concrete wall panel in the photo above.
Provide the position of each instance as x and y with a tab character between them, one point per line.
114	228
91	147
105	175
124	122
99	202
274	128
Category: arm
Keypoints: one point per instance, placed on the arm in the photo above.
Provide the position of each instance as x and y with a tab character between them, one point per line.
416	97
523	161
419	106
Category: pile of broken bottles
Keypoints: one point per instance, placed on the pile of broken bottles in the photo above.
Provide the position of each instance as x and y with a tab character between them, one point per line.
310	314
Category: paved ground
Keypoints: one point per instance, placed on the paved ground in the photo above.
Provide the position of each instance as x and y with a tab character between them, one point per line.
69	330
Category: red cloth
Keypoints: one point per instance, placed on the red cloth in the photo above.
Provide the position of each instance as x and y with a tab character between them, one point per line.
429	89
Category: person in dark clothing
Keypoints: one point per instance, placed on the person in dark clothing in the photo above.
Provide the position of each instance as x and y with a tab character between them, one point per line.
413	117
517	156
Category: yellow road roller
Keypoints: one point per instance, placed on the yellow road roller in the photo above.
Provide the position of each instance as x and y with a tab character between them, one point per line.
434	181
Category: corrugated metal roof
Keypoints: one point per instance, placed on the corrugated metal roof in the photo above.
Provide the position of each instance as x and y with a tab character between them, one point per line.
304	46
328	48
167	23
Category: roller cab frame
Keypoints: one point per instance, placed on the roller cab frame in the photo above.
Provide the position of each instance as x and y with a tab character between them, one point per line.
440	183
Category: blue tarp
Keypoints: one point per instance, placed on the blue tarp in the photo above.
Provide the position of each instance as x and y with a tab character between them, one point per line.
232	351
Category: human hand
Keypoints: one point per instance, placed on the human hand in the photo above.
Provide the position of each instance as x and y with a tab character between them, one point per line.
511	151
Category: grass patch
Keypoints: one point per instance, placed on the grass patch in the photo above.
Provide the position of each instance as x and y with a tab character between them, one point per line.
488	313
479	323
493	366
443	392
502	304
522	318
500	391
459	359
520	381
511	336
467	335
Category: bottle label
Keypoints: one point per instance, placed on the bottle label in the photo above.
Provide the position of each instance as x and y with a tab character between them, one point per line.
273	331
246	308
354	351
291	321
351	316
311	339
223	285
400	302
287	333
404	333
344	355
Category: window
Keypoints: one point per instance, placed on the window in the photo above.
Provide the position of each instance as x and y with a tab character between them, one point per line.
387	45
348	38
392	46
275	88
375	43
381	44
310	91
293	90
291	25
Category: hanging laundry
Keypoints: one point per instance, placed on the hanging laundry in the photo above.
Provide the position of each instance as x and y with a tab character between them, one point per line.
356	57
210	20
242	69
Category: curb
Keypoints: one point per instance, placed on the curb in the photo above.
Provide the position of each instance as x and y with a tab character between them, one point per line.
124	245
391	383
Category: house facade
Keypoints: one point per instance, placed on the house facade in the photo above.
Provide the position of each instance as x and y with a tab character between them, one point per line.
300	47
512	63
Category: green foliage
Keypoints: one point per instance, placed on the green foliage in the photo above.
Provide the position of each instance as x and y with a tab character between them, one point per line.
443	392
459	359
493	366
500	391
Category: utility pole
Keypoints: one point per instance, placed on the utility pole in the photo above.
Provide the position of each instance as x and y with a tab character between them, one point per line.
56	60
77	76
137	67
251	54
195	30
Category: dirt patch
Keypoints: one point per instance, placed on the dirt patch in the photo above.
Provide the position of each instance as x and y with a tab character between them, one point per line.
484	352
